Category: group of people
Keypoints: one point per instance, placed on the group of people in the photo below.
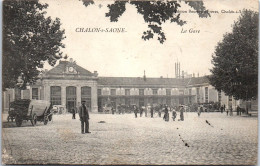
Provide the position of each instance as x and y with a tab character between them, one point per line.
230	110
161	109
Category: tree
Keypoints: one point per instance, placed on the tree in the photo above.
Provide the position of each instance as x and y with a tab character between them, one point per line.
155	13
235	59
29	39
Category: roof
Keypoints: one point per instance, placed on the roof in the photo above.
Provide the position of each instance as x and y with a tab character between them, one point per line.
139	81
198	81
61	68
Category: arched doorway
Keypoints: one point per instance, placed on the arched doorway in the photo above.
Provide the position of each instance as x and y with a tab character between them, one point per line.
71	97
86	95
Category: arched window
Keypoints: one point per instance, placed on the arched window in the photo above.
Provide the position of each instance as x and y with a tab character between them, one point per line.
86	95
55	95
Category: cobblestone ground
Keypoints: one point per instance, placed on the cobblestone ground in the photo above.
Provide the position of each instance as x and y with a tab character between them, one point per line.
123	139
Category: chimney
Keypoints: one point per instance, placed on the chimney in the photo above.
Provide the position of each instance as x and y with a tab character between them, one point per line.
144	76
161	77
198	74
179	70
71	60
95	73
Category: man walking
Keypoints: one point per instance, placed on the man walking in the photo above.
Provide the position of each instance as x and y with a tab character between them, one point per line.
84	117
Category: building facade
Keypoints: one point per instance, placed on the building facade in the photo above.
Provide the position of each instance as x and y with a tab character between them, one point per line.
68	84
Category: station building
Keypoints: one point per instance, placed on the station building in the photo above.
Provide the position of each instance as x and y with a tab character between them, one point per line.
68	84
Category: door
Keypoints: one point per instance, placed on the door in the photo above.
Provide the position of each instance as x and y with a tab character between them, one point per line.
71	98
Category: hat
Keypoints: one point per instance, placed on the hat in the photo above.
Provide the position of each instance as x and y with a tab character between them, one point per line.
84	101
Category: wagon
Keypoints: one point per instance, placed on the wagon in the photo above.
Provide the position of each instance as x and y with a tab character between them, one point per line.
33	110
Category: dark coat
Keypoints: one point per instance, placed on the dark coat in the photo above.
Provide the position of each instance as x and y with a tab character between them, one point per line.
82	113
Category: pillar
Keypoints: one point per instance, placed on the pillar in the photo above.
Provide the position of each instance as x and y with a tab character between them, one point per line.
63	96
47	93
78	95
94	99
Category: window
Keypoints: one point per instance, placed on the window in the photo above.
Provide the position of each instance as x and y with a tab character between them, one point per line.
99	92
155	91
206	94
229	98
112	92
55	95
190	96
127	92
141	102
18	93
181	92
198	94
219	96
168	92
35	93
141	92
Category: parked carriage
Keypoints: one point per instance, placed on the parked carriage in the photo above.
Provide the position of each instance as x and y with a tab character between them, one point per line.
33	110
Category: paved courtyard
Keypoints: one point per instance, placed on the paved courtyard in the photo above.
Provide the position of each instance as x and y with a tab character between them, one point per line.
123	139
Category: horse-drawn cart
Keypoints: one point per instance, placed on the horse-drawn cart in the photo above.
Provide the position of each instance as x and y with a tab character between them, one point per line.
33	110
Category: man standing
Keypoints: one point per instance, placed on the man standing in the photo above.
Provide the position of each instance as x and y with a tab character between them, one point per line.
73	111
135	111
166	114
84	117
152	112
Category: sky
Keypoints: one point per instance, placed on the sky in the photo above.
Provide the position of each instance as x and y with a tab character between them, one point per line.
127	54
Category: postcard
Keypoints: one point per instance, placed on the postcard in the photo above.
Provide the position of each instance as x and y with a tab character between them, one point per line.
136	82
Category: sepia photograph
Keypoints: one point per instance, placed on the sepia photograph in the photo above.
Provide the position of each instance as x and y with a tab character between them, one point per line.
130	82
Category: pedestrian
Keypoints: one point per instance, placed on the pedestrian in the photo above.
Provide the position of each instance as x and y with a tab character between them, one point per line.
174	114
231	111
135	111
145	111
226	110
166	114
222	108
181	113
160	113
200	109
238	110
141	111
73	111
119	109
113	110
84	117
151	112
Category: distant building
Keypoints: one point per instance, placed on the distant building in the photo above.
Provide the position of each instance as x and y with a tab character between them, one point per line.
68	84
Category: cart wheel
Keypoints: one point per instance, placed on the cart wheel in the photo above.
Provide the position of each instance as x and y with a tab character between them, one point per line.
18	121
34	120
